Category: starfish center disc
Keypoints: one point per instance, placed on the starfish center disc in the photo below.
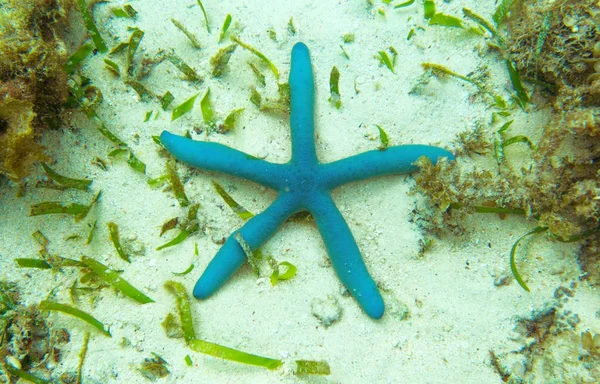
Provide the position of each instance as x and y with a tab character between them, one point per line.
302	181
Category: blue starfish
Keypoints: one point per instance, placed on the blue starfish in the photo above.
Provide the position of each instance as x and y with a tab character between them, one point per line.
303	184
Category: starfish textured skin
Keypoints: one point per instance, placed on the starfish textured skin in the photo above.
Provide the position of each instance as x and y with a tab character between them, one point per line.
303	184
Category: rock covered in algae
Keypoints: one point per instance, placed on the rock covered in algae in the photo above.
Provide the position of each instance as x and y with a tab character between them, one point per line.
33	84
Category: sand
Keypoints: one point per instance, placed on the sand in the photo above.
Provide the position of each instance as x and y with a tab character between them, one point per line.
445	312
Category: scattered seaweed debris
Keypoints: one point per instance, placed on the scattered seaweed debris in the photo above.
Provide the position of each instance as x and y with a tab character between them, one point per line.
220	60
496	40
184	107
284	271
225	27
168	225
82	354
473	142
440	70
384	141
183	309
208	115
189	72
242	212
32	263
112	277
540	326
47	261
266	266
188	270
404	4
302	367
58	181
126	12
255	97
154	368
279	105
176	184
213	122
30	349
334	88
205	16
446	21
500	370
186	228
77	210
291	28
86	97
91	232
166	100
47	305
113	234
90	25
259	55
513	250
191	37
172	327
78	57
172	177
346	55
428	9
230	121
386	60
260	77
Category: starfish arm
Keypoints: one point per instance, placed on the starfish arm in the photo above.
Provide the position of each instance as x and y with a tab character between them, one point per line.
302	94
221	158
231	255
345	256
393	160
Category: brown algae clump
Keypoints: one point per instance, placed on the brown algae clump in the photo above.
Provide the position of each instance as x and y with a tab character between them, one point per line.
33	83
29	347
556	49
568	56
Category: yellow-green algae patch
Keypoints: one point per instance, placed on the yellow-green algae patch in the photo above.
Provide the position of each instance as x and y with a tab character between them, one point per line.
18	147
33	84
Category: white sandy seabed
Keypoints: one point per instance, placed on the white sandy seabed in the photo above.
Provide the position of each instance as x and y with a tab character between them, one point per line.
445	314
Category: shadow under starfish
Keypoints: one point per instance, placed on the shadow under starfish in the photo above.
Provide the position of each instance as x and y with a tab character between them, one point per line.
303	184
